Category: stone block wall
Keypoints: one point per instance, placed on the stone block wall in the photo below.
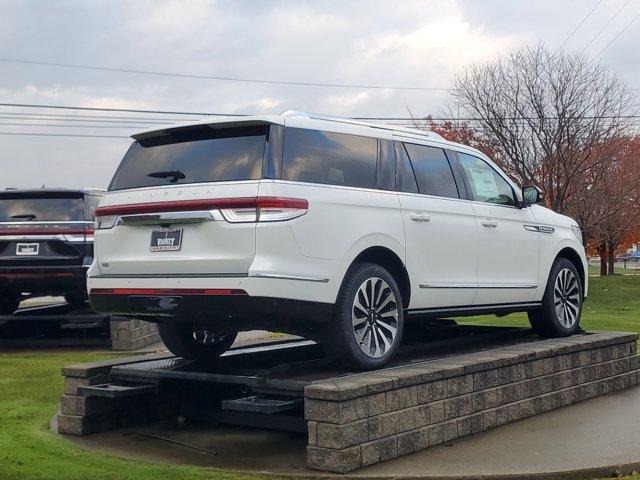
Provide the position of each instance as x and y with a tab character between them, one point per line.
82	415
131	334
367	418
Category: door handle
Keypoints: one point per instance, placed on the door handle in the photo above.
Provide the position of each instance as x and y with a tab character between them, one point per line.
489	223
419	217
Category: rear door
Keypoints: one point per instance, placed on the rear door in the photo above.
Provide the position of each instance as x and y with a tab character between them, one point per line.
180	204
42	229
509	256
441	234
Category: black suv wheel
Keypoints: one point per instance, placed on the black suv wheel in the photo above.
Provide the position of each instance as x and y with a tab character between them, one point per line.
367	326
192	341
9	303
562	302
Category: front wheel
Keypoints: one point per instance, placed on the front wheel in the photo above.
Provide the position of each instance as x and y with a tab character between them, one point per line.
193	341
561	304
367	326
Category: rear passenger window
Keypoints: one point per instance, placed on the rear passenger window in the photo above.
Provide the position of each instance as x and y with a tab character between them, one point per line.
432	170
314	156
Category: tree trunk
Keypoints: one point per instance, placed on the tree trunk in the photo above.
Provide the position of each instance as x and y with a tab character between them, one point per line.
611	258
602	251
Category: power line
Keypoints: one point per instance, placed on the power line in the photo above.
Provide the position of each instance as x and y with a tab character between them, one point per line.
13	124
616	37
606	25
127	110
581	23
206	114
97	117
38	134
222	78
85	120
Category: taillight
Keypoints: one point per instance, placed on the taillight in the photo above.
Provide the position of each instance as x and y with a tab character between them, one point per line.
267	209
233	210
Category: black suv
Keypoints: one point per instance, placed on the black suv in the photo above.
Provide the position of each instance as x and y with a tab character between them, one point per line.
46	244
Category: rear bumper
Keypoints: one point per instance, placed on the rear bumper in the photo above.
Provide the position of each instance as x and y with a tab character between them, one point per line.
235	311
44	279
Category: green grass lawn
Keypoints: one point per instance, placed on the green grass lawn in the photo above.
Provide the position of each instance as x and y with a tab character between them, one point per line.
30	387
613	304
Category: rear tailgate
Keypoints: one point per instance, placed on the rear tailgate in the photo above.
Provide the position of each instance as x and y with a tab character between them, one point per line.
162	214
42	229
196	243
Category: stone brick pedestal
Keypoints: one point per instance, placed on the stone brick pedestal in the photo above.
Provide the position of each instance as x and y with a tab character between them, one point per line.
364	419
132	334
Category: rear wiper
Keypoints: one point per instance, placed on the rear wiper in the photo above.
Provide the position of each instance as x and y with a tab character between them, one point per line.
27	216
173	175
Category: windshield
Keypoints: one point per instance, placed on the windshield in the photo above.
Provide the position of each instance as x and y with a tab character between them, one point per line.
42	209
193	155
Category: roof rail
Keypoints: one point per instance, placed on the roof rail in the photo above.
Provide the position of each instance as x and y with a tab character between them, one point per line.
382	126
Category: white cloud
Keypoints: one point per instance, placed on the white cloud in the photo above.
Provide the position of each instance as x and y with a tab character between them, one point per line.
411	43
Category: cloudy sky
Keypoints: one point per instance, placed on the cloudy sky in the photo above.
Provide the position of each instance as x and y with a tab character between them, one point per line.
392	43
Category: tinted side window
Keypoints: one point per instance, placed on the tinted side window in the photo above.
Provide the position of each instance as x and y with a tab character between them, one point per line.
386	166
329	158
432	170
486	184
406	179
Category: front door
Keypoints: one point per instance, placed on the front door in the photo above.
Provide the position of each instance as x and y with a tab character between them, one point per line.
508	257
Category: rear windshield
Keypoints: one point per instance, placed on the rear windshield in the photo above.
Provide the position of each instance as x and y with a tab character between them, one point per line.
42	209
193	155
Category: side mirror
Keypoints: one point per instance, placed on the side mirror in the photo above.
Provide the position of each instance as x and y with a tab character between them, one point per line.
531	196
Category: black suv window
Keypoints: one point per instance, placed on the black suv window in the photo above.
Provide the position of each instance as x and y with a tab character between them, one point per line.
432	170
329	158
193	155
486	184
41	209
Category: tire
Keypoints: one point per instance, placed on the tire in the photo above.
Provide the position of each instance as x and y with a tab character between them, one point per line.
191	341
561	304
9	304
76	299
348	339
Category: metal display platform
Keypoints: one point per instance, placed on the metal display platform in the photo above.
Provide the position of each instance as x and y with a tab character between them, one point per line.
56	324
263	385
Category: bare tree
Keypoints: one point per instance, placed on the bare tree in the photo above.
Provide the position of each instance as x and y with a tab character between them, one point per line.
550	118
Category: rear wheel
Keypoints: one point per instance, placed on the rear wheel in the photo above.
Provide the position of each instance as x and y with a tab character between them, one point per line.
561	304
367	326
9	303
193	341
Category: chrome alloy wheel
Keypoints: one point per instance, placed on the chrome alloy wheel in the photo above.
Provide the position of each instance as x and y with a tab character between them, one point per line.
566	298
374	316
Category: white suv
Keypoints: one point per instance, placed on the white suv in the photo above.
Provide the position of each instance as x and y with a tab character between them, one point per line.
332	229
